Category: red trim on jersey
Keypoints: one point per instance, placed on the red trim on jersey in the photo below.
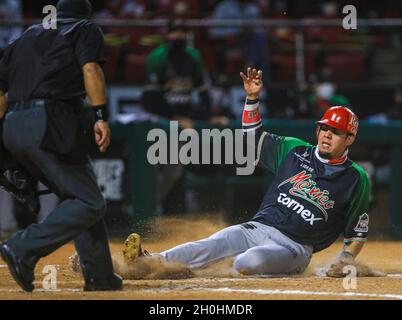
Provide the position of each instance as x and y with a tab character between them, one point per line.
336	161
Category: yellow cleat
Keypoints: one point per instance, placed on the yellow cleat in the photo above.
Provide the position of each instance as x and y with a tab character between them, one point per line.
132	247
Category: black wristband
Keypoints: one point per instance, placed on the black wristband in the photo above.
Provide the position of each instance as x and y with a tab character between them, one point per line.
101	112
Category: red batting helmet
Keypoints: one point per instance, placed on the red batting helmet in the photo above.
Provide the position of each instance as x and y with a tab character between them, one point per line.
341	118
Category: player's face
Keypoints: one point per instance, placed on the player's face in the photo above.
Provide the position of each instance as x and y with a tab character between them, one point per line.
332	142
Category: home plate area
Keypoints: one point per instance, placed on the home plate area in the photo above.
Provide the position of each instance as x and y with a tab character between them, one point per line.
54	280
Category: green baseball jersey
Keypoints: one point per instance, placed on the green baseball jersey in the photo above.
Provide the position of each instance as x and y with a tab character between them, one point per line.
310	200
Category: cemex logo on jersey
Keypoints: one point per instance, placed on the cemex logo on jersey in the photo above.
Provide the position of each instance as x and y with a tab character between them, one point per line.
305	188
299	208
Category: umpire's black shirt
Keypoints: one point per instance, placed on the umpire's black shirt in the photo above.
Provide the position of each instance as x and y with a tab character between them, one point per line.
47	64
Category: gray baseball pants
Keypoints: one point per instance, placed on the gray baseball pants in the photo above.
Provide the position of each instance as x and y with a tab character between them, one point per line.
256	248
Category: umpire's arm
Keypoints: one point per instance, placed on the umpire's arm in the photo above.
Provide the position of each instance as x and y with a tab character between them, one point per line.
3	85
88	47
96	91
3	104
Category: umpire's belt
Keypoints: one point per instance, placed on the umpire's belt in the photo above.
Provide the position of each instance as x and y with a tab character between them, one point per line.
28	104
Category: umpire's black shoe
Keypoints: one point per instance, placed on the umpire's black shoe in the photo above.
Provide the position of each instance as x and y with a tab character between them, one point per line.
22	274
112	283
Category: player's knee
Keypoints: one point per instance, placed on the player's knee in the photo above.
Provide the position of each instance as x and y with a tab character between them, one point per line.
247	264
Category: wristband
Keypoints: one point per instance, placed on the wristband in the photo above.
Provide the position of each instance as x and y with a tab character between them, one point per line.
101	113
251	115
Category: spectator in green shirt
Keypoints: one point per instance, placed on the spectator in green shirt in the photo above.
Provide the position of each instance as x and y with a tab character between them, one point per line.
177	90
175	75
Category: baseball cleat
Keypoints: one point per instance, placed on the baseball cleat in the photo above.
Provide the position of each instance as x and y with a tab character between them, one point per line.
132	248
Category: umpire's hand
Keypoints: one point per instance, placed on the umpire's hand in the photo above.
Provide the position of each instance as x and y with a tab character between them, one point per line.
102	135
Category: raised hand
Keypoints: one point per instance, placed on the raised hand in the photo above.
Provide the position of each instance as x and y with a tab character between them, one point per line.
252	82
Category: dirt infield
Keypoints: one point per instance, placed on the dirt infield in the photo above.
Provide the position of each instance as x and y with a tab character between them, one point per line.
218	281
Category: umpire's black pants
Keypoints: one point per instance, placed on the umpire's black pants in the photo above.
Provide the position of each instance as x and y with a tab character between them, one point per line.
79	215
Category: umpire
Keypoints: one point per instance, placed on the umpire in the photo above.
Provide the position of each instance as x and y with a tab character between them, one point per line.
46	74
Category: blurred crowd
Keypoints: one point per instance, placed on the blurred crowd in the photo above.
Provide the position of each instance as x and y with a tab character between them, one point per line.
202	9
181	63
226	50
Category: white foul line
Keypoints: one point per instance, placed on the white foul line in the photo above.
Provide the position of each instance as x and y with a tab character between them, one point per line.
40	290
301	292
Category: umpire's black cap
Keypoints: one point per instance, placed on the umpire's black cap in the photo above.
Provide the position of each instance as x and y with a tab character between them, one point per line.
75	8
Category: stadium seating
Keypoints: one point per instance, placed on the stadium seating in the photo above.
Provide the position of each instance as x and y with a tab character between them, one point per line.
346	66
134	71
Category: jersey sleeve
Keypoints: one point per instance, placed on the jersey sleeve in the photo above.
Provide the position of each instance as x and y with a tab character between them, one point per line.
357	224
89	45
271	149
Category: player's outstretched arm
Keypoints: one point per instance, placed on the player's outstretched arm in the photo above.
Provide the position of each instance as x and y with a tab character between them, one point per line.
357	226
353	249
349	252
345	263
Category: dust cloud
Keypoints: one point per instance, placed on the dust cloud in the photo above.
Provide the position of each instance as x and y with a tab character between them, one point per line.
167	232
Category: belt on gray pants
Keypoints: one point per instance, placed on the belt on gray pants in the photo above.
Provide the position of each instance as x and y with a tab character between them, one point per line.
28	104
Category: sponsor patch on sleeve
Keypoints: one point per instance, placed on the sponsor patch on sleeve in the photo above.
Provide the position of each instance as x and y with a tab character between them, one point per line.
362	224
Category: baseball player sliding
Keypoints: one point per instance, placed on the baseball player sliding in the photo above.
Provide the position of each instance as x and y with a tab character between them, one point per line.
317	194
